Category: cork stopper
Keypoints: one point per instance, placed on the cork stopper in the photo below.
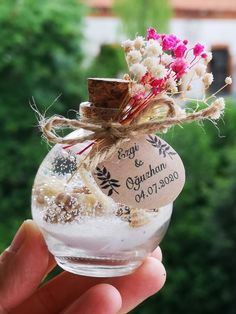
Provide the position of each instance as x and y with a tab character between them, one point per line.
107	93
92	114
105	99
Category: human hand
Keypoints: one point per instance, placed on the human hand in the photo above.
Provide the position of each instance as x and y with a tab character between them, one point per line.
27	261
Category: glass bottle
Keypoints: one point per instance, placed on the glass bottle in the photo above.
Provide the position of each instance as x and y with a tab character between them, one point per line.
87	232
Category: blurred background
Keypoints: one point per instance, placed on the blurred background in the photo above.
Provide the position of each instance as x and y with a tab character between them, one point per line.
48	49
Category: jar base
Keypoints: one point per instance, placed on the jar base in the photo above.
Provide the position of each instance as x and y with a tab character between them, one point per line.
97	267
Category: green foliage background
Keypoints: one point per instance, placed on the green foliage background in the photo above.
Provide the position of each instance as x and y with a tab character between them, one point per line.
40	56
138	15
199	248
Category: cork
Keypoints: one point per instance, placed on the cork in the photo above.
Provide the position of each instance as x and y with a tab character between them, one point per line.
105	98
89	113
107	93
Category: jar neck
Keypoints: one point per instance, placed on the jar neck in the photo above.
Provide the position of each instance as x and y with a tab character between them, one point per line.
91	114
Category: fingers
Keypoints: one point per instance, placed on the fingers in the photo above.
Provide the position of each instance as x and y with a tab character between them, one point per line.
157	253
100	299
58	293
66	288
22	266
51	263
143	283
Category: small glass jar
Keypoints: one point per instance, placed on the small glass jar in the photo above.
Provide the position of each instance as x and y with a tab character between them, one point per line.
87	232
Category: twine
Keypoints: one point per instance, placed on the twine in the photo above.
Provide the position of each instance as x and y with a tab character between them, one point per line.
110	135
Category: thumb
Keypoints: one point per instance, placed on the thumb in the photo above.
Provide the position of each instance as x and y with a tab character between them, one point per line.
22	266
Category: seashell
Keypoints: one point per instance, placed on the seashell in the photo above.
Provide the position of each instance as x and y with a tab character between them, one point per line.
40	199
64	201
138	218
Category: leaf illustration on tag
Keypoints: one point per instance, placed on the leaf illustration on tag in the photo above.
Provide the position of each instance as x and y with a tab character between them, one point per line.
163	149
107	183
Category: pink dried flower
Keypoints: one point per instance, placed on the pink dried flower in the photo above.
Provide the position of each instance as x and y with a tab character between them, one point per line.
198	49
185	42
138	96
156	85
180	66
146	78
152	34
180	50
204	55
169	42
156	82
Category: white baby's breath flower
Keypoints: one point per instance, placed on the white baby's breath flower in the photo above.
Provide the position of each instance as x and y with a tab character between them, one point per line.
150	62
215	115
219	106
136	89
127	45
134	56
220	103
228	80
138	42
166	59
171	85
207	79
209	57
174	90
126	77
200	69
153	48
159	71
138	70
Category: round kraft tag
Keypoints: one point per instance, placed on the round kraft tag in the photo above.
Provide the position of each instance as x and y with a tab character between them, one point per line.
145	172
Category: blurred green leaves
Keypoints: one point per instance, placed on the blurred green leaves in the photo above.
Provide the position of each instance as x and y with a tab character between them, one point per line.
40	57
110	62
138	15
199	248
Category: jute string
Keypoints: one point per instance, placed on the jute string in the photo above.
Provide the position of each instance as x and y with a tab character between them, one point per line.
110	135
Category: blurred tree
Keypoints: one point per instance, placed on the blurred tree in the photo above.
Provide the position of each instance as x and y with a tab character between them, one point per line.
40	56
110	62
199	248
138	15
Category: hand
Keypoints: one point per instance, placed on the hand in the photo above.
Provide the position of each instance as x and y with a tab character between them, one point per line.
27	261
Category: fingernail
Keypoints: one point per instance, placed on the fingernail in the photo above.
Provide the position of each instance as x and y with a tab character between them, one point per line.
18	239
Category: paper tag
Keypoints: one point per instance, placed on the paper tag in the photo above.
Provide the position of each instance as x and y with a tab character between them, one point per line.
145	172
